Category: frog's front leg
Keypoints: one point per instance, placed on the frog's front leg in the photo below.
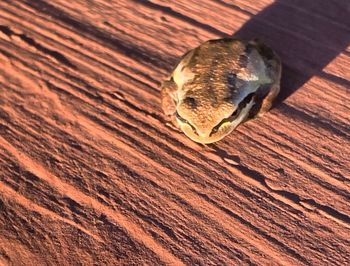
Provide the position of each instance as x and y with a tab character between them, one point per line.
169	100
268	100
273	71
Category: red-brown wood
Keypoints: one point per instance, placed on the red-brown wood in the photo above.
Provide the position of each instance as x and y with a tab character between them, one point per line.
90	172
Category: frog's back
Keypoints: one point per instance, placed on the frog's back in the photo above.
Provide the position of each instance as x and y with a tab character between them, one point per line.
215	60
214	66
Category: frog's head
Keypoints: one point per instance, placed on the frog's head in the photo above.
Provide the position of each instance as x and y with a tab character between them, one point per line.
208	120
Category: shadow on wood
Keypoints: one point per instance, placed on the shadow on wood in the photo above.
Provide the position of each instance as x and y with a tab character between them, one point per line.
307	35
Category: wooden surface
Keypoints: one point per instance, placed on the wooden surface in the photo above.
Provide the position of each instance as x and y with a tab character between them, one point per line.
90	172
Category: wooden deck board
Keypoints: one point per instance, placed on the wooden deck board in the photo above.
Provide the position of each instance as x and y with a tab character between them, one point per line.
90	172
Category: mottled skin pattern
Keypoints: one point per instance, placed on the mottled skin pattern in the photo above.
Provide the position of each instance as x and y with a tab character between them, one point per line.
219	85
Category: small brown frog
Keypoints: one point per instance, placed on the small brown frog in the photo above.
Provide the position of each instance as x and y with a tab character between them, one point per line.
219	85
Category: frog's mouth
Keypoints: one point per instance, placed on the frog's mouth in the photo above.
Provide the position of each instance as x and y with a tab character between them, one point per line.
224	127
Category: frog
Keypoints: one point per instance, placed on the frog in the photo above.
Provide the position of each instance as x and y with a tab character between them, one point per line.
219	85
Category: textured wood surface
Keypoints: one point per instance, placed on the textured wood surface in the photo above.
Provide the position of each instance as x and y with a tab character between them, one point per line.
90	172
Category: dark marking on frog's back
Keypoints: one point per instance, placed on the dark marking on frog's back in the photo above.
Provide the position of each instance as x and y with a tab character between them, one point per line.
231	80
243	60
191	102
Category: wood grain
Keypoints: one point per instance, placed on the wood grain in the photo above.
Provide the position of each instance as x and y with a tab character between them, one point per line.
91	172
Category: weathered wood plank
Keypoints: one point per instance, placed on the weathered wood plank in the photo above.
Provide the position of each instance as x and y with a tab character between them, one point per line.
91	173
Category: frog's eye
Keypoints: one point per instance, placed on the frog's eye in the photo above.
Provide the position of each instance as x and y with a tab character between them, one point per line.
241	105
234	114
184	121
246	100
224	121
231	118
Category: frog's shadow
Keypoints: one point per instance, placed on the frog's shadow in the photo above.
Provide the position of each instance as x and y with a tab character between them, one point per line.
307	36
